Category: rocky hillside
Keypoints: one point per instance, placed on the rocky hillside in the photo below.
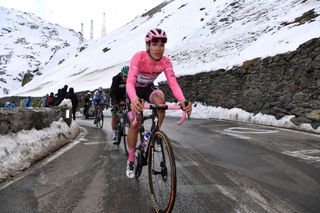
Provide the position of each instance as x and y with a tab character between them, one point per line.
27	43
284	84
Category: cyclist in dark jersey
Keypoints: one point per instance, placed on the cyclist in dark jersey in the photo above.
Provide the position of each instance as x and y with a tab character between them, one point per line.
118	96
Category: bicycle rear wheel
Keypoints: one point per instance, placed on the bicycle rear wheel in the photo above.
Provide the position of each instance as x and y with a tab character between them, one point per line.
162	173
100	119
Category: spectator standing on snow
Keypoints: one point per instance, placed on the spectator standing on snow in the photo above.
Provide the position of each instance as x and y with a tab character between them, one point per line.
74	99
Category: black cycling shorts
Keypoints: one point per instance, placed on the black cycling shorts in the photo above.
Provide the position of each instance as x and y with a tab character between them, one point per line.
143	93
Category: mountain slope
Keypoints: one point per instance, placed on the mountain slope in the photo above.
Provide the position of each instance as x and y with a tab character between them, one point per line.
27	43
203	35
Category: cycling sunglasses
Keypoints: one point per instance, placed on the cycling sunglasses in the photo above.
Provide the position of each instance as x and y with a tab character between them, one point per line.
157	39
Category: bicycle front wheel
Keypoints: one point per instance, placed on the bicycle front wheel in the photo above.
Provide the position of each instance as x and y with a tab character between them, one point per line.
124	136
100	119
162	173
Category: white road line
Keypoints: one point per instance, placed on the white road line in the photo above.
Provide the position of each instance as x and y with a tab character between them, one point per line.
236	135
244	130
9	183
59	153
66	148
93	143
239	132
309	155
299	131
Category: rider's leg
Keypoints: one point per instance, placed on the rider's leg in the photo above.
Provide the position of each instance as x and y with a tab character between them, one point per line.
114	120
132	136
157	97
132	141
133	131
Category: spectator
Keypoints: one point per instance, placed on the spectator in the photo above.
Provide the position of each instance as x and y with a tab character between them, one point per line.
74	99
87	103
62	94
37	103
51	101
9	105
43	101
27	102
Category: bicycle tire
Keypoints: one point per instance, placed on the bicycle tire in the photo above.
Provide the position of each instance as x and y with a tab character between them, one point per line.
138	169
120	132
124	136
100	119
162	179
139	156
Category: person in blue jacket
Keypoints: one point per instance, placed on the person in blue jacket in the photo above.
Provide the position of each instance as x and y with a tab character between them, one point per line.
27	102
9	105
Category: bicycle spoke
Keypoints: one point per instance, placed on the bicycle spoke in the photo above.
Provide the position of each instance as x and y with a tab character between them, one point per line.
162	173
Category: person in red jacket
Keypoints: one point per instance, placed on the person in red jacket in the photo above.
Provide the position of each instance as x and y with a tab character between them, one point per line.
51	100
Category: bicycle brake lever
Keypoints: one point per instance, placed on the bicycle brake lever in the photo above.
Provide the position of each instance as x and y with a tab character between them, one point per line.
186	103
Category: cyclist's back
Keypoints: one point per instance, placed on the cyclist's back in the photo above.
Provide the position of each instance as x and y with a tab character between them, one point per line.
118	89
99	97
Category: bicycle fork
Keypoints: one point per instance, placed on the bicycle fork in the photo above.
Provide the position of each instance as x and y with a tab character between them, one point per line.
163	166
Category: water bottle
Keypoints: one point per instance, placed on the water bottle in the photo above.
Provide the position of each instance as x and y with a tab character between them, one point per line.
146	138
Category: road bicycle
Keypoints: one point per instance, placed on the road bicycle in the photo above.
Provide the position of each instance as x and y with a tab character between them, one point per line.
99	115
158	155
122	124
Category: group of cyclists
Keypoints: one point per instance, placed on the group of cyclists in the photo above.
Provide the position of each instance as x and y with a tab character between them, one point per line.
135	83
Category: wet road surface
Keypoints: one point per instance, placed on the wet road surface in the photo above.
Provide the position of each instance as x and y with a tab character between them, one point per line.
222	166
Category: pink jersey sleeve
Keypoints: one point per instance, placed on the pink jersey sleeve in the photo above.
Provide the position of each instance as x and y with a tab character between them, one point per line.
132	77
172	81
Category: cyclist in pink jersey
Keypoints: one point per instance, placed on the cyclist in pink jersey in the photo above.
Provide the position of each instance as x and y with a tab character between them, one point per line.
145	67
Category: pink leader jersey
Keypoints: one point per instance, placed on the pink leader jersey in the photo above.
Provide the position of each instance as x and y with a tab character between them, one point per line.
144	70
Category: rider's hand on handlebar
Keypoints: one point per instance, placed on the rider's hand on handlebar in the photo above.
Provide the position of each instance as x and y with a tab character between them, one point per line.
136	105
188	107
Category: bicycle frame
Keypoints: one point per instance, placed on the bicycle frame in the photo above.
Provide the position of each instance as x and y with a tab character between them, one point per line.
154	114
154	126
99	112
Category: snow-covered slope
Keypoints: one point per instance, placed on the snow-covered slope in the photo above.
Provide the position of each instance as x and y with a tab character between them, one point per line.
27	43
203	35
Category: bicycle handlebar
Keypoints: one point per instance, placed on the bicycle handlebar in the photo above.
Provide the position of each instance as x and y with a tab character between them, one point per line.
164	107
167	107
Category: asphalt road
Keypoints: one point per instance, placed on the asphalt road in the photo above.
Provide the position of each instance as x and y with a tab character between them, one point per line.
221	166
